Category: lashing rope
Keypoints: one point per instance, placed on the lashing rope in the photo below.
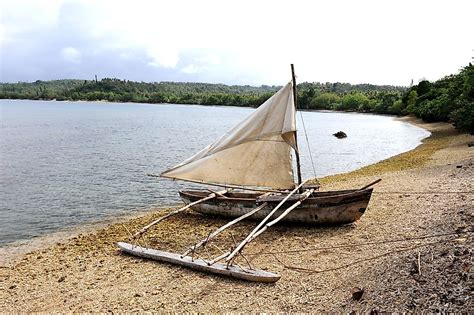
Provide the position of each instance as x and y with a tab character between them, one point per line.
403	249
301	250
309	148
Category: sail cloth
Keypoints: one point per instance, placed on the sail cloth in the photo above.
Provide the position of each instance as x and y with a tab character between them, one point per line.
256	152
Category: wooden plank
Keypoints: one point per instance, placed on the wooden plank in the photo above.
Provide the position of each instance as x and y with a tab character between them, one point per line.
278	198
236	272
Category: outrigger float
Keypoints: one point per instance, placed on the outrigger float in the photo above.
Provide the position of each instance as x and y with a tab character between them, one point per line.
253	161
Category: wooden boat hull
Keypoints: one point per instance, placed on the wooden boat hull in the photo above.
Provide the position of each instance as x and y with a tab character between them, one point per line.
199	264
322	208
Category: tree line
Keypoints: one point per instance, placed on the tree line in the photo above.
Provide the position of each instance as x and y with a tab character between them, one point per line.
116	90
448	99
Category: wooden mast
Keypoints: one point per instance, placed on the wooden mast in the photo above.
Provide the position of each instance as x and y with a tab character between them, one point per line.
298	167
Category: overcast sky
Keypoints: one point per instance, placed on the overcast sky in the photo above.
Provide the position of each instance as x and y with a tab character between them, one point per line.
235	42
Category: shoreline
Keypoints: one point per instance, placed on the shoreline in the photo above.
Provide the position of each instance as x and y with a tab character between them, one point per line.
87	273
208	105
417	157
12	252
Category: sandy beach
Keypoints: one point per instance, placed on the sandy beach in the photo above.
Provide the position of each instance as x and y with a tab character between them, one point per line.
411	251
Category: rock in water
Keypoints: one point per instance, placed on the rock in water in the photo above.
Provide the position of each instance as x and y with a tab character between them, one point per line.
340	134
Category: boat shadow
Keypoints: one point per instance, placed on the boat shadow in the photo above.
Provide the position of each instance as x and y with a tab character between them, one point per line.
286	228
185	229
201	225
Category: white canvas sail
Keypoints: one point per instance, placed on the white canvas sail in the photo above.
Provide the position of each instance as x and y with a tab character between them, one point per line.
256	152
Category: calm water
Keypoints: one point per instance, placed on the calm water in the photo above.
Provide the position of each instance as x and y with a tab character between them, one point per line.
64	164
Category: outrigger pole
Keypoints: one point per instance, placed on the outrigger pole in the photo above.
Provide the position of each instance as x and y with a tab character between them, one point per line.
147	227
238	249
227	268
297	153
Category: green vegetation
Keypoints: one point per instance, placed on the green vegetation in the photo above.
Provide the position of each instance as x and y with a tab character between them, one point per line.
448	99
115	90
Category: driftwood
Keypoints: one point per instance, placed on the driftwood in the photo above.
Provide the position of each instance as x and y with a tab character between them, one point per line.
144	229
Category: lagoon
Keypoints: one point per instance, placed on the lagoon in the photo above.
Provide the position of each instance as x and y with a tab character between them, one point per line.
65	164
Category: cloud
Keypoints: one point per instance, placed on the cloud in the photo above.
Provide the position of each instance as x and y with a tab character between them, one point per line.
190	69
244	42
71	54
162	56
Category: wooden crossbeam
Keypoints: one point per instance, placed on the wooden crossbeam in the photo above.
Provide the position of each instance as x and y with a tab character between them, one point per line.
259	226
147	227
222	228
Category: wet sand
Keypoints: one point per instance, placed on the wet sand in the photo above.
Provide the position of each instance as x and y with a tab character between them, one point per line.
424	192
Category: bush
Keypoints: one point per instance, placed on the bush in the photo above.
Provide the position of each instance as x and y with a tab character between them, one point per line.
463	117
355	101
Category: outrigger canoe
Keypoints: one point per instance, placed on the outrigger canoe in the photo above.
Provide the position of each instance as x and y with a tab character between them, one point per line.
254	163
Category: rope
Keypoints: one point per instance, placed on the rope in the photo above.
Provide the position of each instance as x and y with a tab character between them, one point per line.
307	270
301	250
309	148
423	192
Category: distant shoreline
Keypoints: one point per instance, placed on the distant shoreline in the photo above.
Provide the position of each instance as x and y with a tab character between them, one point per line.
209	105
